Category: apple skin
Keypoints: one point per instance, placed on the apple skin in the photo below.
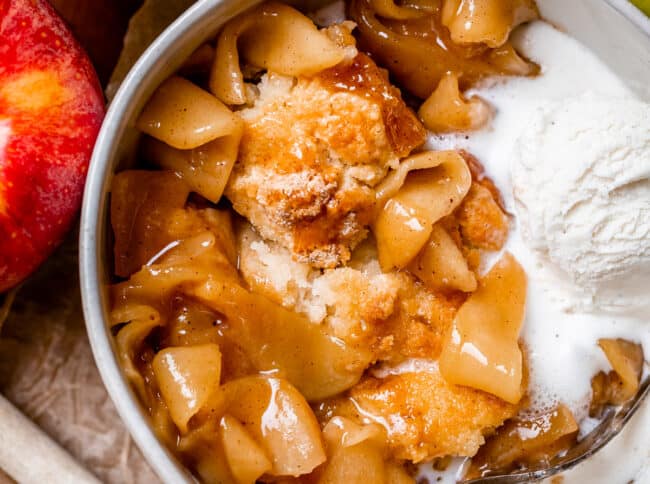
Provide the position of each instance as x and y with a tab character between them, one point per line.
51	109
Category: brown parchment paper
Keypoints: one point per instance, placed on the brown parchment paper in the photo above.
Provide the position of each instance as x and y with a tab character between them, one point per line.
46	364
47	371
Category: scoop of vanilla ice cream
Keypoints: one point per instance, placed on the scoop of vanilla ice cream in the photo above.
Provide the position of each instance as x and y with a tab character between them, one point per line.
581	181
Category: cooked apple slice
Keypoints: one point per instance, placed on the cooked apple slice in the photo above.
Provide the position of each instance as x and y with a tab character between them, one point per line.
344	432
622	383
188	262
389	9
276	339
358	463
405	222
276	37
185	116
485	21
626	359
482	349
356	454
202	446
526	441
141	320
246	459
446	110
507	59
187	377
205	169
279	418
441	265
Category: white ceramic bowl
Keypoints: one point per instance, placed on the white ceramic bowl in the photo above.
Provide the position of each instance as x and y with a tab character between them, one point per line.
616	31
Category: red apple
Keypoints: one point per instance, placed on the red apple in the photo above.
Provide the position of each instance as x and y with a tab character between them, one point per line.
51	108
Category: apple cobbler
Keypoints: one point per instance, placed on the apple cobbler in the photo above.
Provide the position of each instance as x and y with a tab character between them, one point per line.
302	291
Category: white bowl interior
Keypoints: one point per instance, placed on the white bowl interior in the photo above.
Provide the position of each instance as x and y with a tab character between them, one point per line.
615	31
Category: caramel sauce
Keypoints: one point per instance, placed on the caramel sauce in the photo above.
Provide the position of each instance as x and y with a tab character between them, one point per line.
363	77
526	442
419	51
141	205
192	323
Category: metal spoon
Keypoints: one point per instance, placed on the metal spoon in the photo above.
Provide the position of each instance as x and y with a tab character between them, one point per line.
612	423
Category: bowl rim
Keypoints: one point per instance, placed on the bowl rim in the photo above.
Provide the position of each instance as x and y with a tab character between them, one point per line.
632	13
102	164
